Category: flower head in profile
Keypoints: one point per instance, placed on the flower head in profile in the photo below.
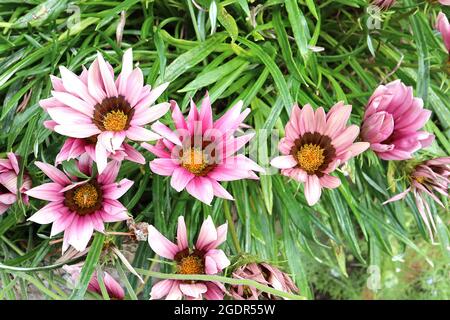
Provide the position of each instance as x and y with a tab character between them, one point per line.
443	26
392	122
428	179
204	258
315	144
101	111
78	207
262	273
200	153
113	288
73	148
9	172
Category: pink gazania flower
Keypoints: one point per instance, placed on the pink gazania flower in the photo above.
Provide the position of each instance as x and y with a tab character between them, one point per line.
201	152
101	112
204	258
445	2
383	4
315	145
265	274
9	171
430	178
113	288
392	121
73	148
443	26
80	207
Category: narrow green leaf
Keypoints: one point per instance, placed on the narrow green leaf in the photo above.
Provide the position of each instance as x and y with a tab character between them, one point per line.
214	75
299	26
274	71
89	266
228	22
418	24
190	58
71	167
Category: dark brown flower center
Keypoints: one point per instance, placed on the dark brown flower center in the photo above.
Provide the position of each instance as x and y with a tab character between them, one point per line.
91	140
84	199
115	120
310	157
113	114
190	263
85	196
420	180
196	160
247	292
313	152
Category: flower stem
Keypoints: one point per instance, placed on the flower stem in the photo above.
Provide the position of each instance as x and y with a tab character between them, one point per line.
114	233
194	20
56	241
12	245
232	228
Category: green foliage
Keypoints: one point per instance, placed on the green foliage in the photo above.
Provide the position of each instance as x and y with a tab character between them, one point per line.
258	52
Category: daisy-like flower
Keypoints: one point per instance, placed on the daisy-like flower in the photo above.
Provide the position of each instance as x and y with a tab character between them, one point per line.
103	111
200	153
204	258
315	145
384	4
445	2
443	26
80	207
265	274
73	148
113	288
9	171
392	121
428	178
